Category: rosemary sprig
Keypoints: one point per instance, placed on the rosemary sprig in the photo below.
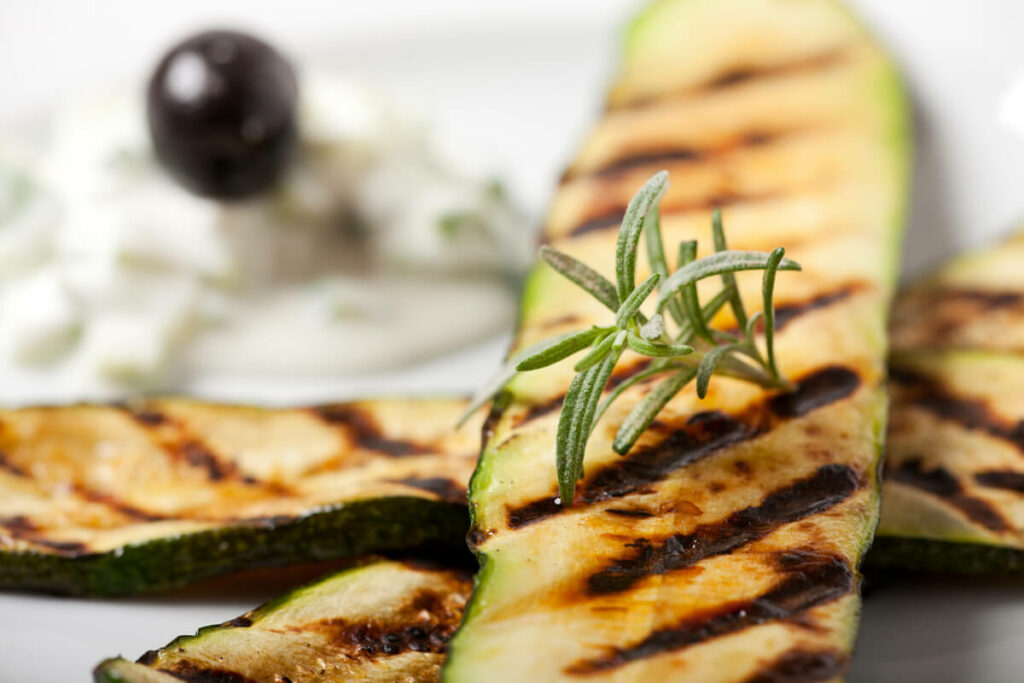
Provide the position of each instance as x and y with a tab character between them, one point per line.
692	351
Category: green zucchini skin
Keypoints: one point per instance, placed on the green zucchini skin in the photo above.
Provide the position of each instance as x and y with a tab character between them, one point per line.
381	620
726	546
115	500
934	556
349	530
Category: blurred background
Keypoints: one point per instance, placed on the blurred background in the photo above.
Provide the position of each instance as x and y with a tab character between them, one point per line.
524	75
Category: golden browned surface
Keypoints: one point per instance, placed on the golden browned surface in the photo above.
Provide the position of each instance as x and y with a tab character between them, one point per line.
724	547
386	621
76	480
955	470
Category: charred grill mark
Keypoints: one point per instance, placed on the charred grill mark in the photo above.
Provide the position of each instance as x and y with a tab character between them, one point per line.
371	640
826	488
19	524
88	494
989	300
175	439
424	624
819	389
537	410
612	217
1007	480
940	483
193	672
931	395
365	431
702	435
620	375
808	579
744	74
630	512
442	487
477	536
787	313
199	455
499	405
638	158
118	505
22	528
803	666
949	311
12	468
148	417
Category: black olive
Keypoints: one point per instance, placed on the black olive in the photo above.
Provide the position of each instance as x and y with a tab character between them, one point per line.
221	108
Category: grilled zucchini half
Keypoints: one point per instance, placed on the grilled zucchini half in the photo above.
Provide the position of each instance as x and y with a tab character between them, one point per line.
954	481
108	500
383	621
725	546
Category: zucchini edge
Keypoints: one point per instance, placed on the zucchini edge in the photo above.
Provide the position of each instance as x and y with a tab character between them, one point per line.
359	527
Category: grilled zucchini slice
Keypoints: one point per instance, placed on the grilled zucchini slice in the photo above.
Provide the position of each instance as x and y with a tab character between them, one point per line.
108	500
725	546
384	621
954	483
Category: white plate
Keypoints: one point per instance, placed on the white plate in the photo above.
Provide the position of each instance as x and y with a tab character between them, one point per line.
522	79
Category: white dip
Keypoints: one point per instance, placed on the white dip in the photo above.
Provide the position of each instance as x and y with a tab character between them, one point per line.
379	248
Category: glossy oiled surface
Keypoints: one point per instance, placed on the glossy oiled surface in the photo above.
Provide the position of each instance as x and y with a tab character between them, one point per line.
725	546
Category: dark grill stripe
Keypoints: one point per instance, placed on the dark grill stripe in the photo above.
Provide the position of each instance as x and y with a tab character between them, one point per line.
826	488
703	435
199	673
937	317
197	454
612	218
1008	480
788	312
931	395
113	502
639	158
23	528
11	468
146	416
809	578
442	487
803	666
740	75
365	431
941	483
632	159
176	440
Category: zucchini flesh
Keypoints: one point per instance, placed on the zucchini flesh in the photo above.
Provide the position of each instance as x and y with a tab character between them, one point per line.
108	500
383	621
726	545
954	485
